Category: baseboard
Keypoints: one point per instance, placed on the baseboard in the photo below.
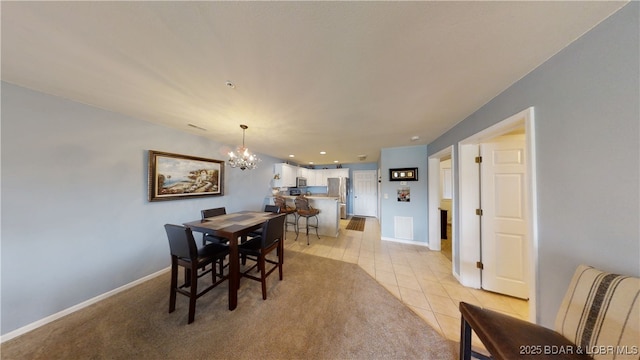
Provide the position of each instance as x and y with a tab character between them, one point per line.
419	243
36	324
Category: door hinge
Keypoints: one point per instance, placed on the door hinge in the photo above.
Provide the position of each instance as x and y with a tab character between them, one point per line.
479	212
480	265
478	159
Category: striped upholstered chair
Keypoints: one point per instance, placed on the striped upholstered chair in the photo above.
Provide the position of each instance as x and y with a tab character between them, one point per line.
599	318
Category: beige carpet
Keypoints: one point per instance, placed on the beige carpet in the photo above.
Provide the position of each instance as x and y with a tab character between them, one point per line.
323	309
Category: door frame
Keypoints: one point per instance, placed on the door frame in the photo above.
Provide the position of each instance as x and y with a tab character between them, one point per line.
434	196
469	195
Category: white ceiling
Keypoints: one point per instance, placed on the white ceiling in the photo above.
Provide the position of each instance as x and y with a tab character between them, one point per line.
348	78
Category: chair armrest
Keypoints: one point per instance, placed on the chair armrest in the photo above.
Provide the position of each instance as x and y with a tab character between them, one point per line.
507	337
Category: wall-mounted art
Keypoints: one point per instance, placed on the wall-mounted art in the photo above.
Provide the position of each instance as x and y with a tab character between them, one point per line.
403	174
174	176
404	194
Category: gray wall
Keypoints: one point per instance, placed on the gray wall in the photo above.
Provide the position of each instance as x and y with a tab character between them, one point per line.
587	138
76	222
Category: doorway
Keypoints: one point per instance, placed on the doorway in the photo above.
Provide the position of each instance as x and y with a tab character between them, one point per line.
472	207
436	190
446	195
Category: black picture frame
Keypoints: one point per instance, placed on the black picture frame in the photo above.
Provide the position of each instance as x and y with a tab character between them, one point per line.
175	176
403	174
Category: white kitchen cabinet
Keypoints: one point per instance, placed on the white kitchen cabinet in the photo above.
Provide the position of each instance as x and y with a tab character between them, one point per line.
287	174
322	176
304	173
312	178
315	177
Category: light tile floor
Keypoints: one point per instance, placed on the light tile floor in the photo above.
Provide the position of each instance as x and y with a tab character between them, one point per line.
419	277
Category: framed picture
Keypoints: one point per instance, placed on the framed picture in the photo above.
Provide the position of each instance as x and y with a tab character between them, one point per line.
404	194
404	174
174	176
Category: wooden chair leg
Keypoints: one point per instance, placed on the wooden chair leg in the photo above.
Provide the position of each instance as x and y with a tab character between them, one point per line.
465	340
280	258
187	277
263	276
193	294
174	285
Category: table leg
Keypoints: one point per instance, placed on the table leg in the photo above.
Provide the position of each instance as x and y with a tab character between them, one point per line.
234	273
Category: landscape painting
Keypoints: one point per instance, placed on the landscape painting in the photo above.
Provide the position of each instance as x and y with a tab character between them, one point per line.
174	176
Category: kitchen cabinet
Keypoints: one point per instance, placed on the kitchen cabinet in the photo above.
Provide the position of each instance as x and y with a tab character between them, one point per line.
324	174
315	177
287	174
304	172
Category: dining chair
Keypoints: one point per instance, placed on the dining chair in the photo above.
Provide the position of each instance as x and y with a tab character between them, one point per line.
185	253
258	248
267	208
207	213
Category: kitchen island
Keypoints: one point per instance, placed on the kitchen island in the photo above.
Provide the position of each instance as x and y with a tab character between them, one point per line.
328	218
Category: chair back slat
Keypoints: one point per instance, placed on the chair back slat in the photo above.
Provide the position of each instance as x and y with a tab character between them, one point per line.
272	208
181	242
273	230
207	213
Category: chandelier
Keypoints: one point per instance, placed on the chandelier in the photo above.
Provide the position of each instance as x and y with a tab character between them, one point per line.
243	159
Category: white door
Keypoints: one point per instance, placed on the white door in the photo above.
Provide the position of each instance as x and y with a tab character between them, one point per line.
504	219
365	193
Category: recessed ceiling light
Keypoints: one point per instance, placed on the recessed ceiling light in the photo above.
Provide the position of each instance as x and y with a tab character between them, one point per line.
415	138
230	85
362	157
336	161
311	162
292	155
323	152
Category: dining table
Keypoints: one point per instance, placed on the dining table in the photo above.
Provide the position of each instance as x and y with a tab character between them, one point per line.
232	226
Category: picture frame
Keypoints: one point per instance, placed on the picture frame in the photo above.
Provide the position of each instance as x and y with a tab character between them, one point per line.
403	174
176	176
404	194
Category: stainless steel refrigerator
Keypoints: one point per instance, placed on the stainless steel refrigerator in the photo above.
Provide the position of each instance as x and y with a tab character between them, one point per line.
339	187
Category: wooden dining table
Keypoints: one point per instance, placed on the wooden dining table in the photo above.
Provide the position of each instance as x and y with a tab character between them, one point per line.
232	227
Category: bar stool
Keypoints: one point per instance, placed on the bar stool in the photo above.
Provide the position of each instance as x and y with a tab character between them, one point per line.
304	210
281	202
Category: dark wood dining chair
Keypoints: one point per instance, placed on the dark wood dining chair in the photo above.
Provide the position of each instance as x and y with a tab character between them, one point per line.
185	253
267	208
258	248
207	213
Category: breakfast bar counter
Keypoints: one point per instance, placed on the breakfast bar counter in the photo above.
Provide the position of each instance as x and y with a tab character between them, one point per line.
329	216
